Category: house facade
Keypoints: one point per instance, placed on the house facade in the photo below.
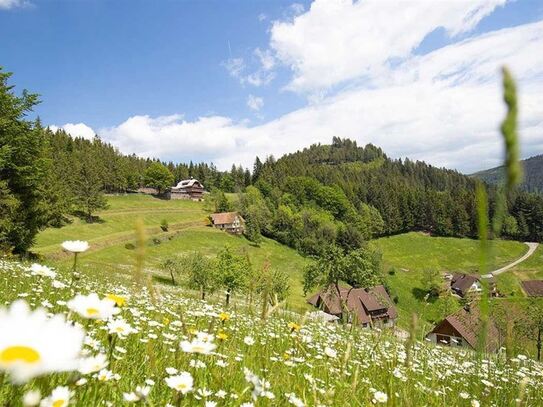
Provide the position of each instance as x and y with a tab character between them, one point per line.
366	307
188	189
465	285
231	222
464	329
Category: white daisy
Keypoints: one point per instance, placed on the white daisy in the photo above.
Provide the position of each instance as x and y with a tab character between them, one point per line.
60	397
92	307
32	344
75	246
183	382
39	270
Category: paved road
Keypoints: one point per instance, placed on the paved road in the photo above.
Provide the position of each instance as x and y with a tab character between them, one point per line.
531	250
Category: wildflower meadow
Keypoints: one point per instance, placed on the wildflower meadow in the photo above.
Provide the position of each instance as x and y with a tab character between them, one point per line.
69	337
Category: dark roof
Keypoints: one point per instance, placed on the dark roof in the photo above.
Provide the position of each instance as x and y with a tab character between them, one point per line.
469	325
461	283
225	218
363	303
533	288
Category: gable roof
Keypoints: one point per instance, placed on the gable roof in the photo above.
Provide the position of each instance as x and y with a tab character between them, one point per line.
461	283
533	288
469	325
224	218
188	183
364	303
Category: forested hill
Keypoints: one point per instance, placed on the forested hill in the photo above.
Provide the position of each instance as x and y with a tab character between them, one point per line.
348	192
533	174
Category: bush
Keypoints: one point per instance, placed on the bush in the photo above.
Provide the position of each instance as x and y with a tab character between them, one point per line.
130	246
156	241
164	225
392	271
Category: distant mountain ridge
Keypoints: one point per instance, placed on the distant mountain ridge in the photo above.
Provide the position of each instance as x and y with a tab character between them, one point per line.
533	174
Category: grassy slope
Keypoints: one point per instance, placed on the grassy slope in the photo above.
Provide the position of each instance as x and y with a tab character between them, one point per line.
109	237
411	253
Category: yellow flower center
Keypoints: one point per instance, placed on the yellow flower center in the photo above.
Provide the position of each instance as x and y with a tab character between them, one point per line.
120	301
181	386
25	354
92	311
58	403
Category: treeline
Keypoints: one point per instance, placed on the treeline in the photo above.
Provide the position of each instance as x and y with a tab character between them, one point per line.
46	176
345	194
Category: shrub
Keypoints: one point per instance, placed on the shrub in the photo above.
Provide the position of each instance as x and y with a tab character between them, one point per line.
129	246
164	225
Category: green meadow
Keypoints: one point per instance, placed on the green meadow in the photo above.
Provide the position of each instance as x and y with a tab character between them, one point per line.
112	240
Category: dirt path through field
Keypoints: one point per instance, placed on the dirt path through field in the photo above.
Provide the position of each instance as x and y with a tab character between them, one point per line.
531	249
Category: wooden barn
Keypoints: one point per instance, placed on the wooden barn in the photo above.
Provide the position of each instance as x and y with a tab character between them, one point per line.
188	189
463	329
231	222
367	307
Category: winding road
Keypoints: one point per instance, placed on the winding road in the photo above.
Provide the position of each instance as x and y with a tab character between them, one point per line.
531	249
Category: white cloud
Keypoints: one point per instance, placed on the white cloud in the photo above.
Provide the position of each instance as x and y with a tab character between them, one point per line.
235	67
444	107
340	40
255	103
262	75
76	130
262	17
9	4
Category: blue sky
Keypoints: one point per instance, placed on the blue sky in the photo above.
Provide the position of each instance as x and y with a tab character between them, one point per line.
224	81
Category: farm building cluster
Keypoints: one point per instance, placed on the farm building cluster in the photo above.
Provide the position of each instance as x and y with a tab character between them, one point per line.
372	307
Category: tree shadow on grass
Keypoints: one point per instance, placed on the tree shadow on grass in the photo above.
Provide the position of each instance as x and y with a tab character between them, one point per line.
423	295
163	280
92	219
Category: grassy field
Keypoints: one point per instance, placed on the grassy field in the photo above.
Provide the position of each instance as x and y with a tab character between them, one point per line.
411	253
109	238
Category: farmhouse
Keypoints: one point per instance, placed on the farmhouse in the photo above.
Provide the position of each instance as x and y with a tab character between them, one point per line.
232	222
466	284
533	288
464	329
188	189
367	307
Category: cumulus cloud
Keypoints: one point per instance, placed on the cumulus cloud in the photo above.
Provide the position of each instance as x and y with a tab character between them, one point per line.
443	107
340	40
76	130
255	103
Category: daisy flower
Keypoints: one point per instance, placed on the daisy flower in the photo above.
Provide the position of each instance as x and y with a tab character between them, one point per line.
31	344
75	246
183	382
92	307
60	397
39	270
120	327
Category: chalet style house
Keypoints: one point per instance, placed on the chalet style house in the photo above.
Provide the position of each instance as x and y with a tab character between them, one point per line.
467	285
231	222
367	307
533	288
188	189
463	329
